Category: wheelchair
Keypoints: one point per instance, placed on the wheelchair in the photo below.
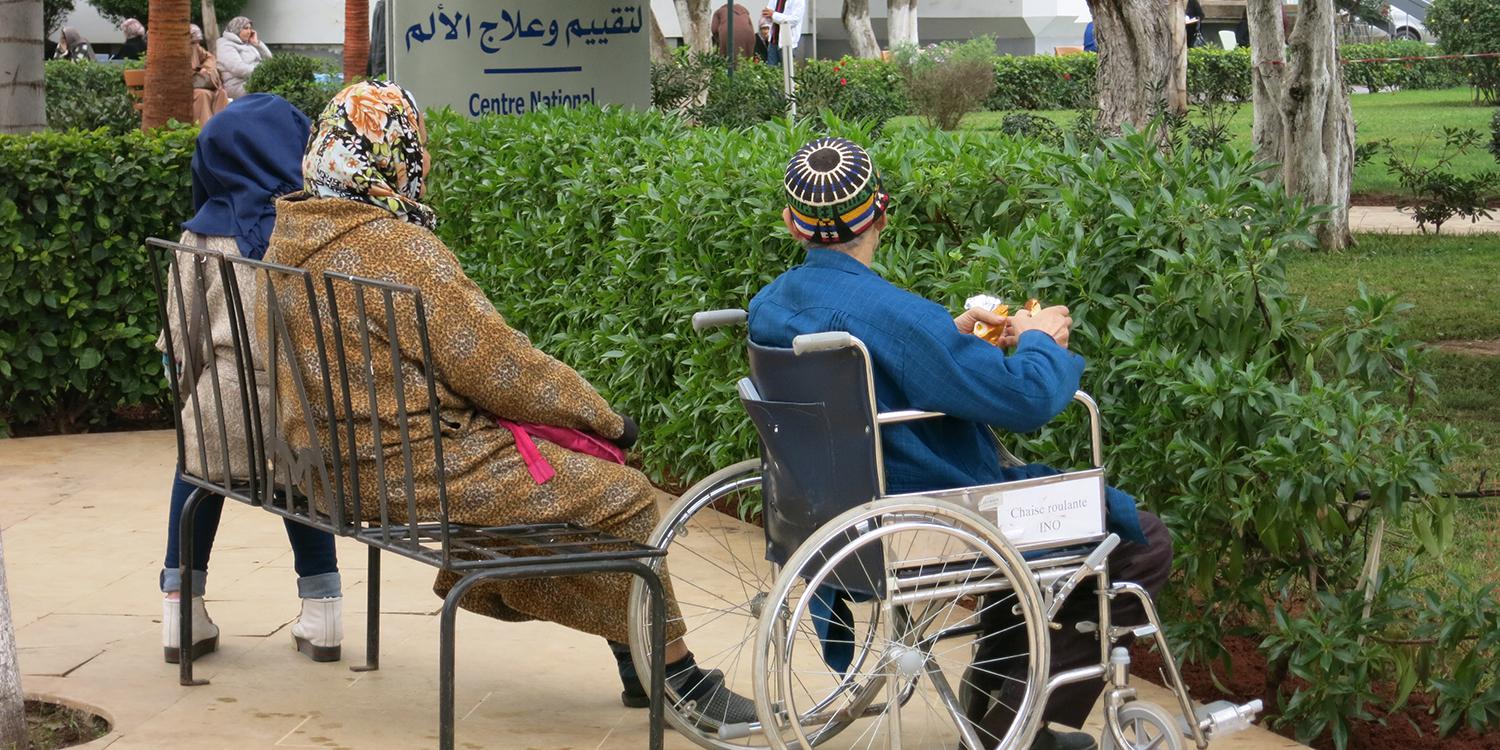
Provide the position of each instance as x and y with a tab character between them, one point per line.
856	613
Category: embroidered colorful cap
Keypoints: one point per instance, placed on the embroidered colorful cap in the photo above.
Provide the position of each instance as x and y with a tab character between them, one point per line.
834	191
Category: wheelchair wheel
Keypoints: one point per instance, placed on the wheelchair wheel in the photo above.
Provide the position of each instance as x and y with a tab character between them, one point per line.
721	577
913	673
1146	726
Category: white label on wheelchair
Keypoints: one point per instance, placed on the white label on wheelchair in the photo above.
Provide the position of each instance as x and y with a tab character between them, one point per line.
1053	511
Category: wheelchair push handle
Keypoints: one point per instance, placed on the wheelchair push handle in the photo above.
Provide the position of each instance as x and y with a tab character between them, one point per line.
719	319
821	342
1096	430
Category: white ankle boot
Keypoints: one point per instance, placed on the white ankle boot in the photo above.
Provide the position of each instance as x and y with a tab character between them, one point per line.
320	629
205	632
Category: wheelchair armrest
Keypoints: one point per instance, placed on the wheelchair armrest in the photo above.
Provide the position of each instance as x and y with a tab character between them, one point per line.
718	319
821	342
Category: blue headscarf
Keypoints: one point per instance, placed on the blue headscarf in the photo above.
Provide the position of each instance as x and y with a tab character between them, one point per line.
247	156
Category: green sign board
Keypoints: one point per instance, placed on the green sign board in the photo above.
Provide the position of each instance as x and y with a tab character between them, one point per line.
518	56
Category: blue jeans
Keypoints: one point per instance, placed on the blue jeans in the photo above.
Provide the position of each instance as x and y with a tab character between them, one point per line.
313	553
773	55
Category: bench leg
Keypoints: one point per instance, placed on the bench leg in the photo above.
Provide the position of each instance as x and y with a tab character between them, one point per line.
372	616
185	595
447	646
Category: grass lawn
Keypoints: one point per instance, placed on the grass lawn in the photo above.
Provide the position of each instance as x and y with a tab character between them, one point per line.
1408	119
1451	281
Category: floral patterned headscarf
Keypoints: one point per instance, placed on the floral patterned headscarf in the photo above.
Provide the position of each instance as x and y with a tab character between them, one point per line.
367	147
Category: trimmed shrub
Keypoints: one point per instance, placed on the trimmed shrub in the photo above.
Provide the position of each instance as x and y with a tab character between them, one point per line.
307	82
78	318
1043	82
89	96
1495	135
1216	75
1405	74
949	80
1467	27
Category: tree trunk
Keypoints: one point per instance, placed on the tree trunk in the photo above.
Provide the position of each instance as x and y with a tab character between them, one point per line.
659	51
356	39
695	17
23	85
1138	60
1267	69
861	34
12	702
169	66
1177	96
901	21
210	24
1302	117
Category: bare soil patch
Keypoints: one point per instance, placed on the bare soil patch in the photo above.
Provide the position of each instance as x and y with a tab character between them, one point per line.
53	725
1473	347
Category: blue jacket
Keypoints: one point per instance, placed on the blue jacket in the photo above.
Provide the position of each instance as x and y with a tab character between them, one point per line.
921	361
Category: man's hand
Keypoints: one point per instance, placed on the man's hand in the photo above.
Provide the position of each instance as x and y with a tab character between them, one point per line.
965	324
765	13
1054	321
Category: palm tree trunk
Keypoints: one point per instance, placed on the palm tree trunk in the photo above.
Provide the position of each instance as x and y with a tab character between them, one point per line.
23	86
12	702
356	39
169	65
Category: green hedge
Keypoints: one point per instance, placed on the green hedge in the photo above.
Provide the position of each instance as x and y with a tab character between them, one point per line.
77	310
1414	74
89	95
307	82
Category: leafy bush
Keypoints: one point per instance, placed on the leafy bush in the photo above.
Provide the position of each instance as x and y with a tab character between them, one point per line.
1495	135
53	13
88	96
1436	193
119	10
1043	82
1404	75
1216	75
1028	125
754	94
1467	27
307	82
949	80
852	88
677	83
77	311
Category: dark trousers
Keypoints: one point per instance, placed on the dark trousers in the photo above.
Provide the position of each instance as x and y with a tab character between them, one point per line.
1147	564
313	552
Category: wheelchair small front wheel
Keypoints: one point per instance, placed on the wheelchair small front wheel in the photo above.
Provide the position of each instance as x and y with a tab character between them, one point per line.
1145	726
876	620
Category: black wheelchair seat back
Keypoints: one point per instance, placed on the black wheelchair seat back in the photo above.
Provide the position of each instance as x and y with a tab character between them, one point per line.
815	415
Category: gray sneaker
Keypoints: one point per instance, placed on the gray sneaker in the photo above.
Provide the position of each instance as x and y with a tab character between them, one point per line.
711	703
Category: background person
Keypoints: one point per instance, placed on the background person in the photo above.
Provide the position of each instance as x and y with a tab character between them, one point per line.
744	31
72	46
208	86
240	52
786	28
245	157
135	39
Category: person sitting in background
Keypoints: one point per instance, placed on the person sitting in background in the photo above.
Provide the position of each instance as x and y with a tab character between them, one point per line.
208	86
924	359
72	46
250	154
744	31
366	169
135	40
239	51
1090	44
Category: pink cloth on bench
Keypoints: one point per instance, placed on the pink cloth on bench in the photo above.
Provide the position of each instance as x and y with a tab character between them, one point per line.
577	441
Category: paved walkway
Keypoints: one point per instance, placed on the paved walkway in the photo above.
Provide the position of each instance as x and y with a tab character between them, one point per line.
1388	220
83	524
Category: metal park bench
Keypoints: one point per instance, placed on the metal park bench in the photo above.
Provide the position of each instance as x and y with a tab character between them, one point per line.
315	479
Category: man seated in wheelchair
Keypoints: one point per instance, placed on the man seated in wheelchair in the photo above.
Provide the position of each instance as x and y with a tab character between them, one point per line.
924	359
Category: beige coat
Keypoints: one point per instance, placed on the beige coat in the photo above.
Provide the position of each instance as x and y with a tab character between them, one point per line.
192	344
484	368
